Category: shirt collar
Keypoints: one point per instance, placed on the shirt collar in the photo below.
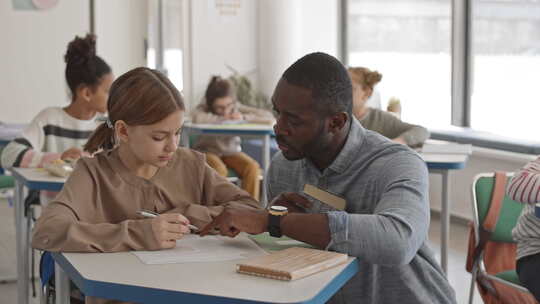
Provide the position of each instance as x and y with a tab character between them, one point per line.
349	152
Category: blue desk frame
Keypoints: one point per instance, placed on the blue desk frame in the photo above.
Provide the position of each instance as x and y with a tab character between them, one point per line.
442	166
25	178
152	295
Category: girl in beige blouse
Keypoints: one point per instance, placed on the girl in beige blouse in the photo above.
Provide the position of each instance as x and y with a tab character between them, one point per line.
140	168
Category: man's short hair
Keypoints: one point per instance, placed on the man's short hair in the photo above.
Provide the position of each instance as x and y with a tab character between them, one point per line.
327	79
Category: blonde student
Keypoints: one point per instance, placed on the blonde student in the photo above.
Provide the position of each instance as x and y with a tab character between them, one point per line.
364	81
525	188
60	132
222	152
140	168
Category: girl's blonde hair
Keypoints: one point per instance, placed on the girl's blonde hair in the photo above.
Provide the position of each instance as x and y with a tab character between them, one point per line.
364	77
141	96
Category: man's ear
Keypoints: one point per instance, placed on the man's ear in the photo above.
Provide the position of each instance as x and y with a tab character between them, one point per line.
338	121
121	130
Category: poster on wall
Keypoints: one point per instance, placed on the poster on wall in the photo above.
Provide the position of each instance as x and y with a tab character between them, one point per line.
224	10
33	5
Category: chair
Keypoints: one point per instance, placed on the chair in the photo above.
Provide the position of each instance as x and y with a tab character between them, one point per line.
6	181
492	251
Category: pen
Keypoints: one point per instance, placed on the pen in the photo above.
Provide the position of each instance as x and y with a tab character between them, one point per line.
147	213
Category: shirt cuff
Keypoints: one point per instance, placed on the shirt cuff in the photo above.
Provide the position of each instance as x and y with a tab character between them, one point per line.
338	223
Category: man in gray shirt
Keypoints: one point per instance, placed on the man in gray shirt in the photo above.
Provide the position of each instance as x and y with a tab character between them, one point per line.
384	184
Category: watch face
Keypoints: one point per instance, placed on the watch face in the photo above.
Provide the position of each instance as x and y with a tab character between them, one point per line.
279	208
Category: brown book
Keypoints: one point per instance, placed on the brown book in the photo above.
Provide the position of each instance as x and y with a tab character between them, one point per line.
292	263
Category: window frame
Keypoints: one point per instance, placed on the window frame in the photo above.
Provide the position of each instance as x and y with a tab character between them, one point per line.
461	82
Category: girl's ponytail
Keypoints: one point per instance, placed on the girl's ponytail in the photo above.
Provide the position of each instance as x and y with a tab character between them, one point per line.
101	138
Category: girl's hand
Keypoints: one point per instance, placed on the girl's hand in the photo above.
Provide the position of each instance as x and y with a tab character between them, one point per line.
168	228
72	153
235	116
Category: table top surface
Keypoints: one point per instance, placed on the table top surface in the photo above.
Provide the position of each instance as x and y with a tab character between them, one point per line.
38	179
119	273
223	128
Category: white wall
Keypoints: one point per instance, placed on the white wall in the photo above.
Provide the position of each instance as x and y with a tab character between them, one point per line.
290	29
214	40
218	39
320	26
121	28
34	43
31	57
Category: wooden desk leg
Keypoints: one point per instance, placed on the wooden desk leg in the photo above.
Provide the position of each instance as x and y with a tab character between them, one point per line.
61	281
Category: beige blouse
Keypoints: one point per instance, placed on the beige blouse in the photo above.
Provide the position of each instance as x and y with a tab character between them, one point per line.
96	209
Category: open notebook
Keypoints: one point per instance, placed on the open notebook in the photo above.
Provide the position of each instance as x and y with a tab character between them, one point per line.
292	263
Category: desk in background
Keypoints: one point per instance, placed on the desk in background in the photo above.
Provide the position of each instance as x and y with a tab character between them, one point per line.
439	162
32	179
122	276
243	130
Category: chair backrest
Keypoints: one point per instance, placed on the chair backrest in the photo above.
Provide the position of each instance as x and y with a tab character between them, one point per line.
510	210
491	257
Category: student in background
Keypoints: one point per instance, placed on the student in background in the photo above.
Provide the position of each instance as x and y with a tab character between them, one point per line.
363	81
61	132
525	188
220	106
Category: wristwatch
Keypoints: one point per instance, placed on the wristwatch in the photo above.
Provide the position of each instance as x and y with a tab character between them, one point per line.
275	213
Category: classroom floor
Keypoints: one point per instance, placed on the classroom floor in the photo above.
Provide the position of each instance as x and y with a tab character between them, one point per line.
458	277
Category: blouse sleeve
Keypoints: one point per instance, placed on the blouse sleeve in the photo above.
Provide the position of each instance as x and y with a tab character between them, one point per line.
217	194
70	223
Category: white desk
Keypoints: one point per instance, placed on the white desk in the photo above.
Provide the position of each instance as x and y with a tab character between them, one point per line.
439	163
242	130
122	276
33	179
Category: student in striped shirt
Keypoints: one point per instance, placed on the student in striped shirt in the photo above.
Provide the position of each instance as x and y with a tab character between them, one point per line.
60	133
525	188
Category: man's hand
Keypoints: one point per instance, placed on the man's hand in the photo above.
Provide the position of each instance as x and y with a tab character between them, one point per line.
294	202
232	221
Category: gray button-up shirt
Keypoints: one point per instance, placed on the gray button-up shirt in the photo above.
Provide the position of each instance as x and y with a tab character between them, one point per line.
386	220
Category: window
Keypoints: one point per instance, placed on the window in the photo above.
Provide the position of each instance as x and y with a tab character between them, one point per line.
170	23
506	68
409	43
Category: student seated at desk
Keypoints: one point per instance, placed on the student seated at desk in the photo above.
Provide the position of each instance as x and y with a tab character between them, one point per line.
384	185
60	133
140	168
525	188
363	83
221	152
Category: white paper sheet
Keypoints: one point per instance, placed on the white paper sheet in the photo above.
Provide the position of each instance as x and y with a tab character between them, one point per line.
193	248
